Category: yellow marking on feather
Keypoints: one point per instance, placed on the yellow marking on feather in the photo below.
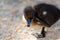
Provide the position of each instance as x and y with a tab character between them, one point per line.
23	19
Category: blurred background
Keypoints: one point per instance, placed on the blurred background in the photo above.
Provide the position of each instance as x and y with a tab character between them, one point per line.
13	28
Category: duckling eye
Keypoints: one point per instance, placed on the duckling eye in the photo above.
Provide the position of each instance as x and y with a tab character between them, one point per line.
44	13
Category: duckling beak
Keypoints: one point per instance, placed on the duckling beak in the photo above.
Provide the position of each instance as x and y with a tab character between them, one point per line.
28	23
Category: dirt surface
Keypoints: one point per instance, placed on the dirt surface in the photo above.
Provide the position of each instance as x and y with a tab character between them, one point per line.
13	25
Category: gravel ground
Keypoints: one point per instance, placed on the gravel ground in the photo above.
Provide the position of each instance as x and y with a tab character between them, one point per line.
13	26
